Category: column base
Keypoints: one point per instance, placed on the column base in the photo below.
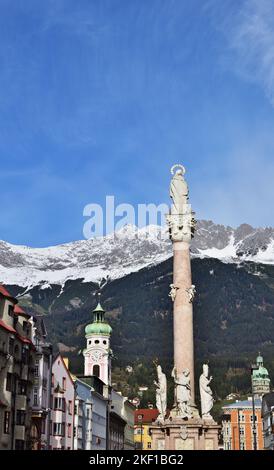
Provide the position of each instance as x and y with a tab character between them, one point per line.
185	434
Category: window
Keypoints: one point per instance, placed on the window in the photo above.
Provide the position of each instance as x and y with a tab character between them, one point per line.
96	370
36	371
20	418
9	382
43	428
97	341
16	351
242	446
11	345
69	429
58	429
19	445
25	355
70	407
35	396
22	387
149	445
7	422
104	342
64	383
11	311
242	431
60	404
251	418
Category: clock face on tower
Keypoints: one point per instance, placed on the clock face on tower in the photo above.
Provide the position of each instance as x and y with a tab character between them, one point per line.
96	356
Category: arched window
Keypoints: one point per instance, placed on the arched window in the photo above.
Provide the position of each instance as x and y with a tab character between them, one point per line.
96	370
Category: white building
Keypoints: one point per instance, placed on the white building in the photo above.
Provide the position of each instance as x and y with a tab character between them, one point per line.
82	416
62	406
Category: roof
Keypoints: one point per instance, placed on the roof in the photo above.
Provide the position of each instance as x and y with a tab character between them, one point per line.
63	360
149	415
6	293
98	328
243	404
19	311
99	308
24	340
7	327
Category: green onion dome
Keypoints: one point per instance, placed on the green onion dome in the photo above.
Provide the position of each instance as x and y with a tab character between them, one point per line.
99	326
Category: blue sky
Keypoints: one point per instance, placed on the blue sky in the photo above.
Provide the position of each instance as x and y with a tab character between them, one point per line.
101	97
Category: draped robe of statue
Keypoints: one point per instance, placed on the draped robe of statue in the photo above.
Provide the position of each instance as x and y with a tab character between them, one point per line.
161	393
182	392
206	393
178	192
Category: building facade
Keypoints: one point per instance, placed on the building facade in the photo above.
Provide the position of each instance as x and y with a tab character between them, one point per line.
17	354
99	402
82	416
41	392
268	420
122	407
239	432
62	406
143	419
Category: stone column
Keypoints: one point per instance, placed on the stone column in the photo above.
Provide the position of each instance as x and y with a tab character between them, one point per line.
183	311
181	226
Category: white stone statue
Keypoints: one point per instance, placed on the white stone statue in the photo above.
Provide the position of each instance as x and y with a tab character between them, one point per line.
161	393
206	393
191	293
180	220
178	189
173	292
182	392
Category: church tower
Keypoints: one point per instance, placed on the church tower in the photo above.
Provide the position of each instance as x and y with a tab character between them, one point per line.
97	354
260	378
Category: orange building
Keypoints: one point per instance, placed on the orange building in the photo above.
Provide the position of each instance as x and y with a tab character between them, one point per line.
144	417
237	426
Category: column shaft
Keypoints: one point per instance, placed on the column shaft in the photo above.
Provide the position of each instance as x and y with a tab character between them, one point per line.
183	312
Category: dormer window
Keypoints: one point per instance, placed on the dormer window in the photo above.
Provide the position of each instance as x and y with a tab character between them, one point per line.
11	311
11	345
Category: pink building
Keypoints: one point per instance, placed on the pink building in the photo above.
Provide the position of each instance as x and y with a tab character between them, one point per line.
62	406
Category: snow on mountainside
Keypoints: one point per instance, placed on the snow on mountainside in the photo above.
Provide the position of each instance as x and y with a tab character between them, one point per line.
129	250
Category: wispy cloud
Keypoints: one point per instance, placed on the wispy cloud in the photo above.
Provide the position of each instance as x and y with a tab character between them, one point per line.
249	29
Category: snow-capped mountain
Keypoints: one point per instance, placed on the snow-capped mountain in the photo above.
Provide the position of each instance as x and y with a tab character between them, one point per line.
126	251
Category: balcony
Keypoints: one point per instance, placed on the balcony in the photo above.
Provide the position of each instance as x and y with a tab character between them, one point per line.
19	432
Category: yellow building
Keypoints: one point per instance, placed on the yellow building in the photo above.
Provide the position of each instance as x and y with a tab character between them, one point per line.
144	417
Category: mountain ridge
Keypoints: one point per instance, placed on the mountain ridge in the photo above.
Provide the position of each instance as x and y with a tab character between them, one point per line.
128	250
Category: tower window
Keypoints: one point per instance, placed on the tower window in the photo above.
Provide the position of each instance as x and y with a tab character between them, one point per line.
96	370
104	342
97	341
